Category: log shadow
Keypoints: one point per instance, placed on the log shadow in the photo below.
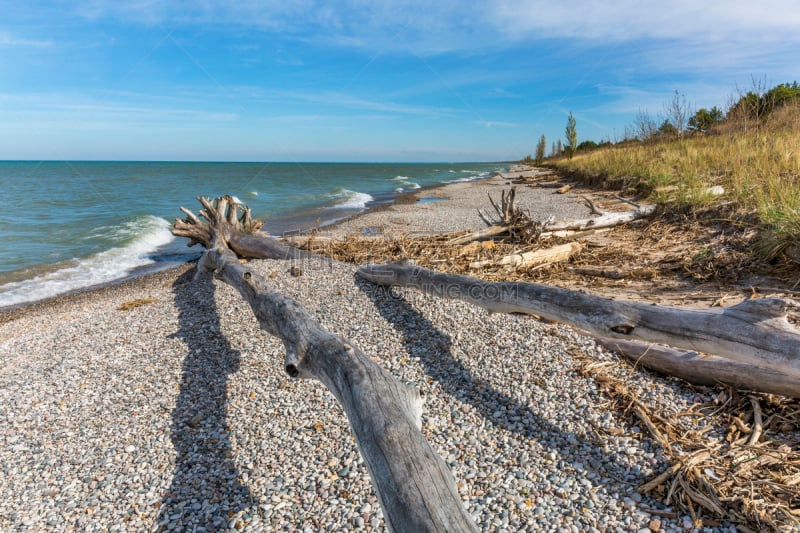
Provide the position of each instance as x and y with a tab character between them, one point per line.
205	483
433	349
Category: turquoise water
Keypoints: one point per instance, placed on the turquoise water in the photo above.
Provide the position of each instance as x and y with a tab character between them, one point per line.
70	225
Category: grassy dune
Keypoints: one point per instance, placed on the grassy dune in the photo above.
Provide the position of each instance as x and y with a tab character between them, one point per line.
757	165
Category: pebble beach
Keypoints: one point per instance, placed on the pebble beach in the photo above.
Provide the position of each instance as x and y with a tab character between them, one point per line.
159	405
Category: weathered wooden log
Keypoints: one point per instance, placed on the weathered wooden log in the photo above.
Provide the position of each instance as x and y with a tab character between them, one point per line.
559	229
554	254
414	486
754	332
702	369
605	220
549	184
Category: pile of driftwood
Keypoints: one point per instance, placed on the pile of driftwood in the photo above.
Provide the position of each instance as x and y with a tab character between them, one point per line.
750	346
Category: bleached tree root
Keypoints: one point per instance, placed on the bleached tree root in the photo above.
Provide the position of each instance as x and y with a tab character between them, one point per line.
231	223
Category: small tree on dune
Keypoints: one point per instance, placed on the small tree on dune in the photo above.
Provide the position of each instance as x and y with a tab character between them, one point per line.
704	119
572	136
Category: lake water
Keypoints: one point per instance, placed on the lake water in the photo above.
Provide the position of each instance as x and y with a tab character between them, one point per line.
70	225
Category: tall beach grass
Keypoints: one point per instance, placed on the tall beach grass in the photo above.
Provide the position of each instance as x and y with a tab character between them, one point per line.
757	166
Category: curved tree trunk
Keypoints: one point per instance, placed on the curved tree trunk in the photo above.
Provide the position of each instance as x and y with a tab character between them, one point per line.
755	332
414	486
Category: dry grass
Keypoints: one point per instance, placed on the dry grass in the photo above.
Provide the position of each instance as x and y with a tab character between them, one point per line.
759	170
736	459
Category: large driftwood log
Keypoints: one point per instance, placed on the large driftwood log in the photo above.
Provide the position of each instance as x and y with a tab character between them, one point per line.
534	230
755	332
239	232
702	369
605	220
414	486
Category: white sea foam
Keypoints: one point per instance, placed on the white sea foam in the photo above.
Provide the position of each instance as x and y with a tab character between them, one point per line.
470	178
351	199
253	193
110	265
405	183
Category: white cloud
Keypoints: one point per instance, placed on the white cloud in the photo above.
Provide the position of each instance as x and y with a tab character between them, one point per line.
623	20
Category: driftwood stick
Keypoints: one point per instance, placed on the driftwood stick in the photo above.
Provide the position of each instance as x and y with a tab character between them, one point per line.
592	207
758	422
491	231
754	332
627	201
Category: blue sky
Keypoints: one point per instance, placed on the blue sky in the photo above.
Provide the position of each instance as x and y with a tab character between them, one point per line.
362	80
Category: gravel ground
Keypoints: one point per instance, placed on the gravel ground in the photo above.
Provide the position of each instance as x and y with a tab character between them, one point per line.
176	415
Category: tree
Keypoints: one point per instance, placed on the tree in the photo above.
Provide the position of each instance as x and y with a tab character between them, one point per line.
667	129
677	111
572	136
540	148
644	127
704	119
559	148
553	151
587	145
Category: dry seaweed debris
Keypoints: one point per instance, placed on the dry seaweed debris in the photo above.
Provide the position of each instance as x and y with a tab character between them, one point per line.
133	304
737	458
434	252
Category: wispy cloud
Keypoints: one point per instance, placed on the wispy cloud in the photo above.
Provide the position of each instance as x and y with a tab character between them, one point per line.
449	25
623	20
83	108
496	124
7	39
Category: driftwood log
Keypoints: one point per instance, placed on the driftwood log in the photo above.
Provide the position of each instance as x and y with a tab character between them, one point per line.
755	332
414	486
606	220
512	219
702	369
554	254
